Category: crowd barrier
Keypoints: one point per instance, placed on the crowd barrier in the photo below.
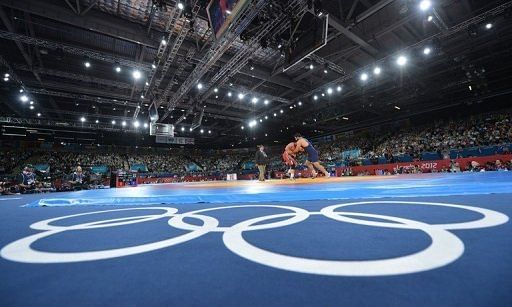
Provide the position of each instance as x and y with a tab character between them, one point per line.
426	166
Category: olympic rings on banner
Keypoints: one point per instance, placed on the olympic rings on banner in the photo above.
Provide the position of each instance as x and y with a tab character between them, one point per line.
445	248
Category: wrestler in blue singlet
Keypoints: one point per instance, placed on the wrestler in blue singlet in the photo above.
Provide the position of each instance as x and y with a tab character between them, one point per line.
312	153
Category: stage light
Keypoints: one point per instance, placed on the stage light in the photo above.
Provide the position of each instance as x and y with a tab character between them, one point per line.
470	88
199	86
425	5
275	114
87	64
329	91
338	88
113	122
153	66
345	118
164	42
97	121
397	107
24	98
182	128
401	61
430	18
215	90
202	131
261	120
209	132
136	75
6	79
300	103
38	114
266	117
190	129
242	127
147	83
136	124
427	51
252	123
142	96
7	75
123	123
266	101
311	66
180	5
254	100
82	119
31	107
364	76
325	71
118	69
21	90
376	71
488	26
229	94
240	96
315	97
281	111
31	102
323	95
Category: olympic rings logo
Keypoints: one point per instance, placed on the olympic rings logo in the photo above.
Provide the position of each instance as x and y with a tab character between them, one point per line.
445	247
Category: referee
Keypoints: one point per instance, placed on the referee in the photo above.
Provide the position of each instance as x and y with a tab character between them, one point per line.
261	160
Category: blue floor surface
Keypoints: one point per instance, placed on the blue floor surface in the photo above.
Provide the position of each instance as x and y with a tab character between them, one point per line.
431	240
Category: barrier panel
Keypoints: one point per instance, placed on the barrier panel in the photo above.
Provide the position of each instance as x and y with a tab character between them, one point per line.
426	166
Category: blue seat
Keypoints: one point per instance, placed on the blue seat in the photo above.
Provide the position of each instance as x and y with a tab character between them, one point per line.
427	156
367	162
406	158
382	160
488	151
473	152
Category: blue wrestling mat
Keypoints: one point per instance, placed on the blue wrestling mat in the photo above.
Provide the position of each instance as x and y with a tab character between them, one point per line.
427	240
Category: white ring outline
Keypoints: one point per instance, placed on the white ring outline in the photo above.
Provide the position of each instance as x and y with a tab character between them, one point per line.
299	216
21	251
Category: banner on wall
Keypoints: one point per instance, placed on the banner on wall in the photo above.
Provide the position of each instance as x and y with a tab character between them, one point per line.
174	140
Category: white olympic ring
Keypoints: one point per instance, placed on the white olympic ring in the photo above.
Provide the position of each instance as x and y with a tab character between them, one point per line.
444	249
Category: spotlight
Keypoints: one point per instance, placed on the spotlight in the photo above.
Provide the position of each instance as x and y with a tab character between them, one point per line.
24	98
430	18
401	61
266	117
470	88
325	71
182	128
6	79
38	114
82	119
164	42
87	64
329	91
252	123
300	103
31	102
488	26
240	96
142	96
113	122
323	95
376	71
136	124
215	90
254	100
229	94
315	97
397	107
147	83
118	69
209	132
364	76
266	101
7	75
275	114
427	51
97	121
281	111
228	12
202	131
123	123
242	127
338	88
136	75
153	66
311	66
180	5
31	107
425	5
21	90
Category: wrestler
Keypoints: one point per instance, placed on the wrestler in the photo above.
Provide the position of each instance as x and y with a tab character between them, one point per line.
312	161
289	159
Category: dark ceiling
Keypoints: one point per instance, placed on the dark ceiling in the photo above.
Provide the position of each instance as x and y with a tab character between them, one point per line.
45	44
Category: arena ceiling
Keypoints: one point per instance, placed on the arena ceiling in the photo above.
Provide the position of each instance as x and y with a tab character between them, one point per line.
45	45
